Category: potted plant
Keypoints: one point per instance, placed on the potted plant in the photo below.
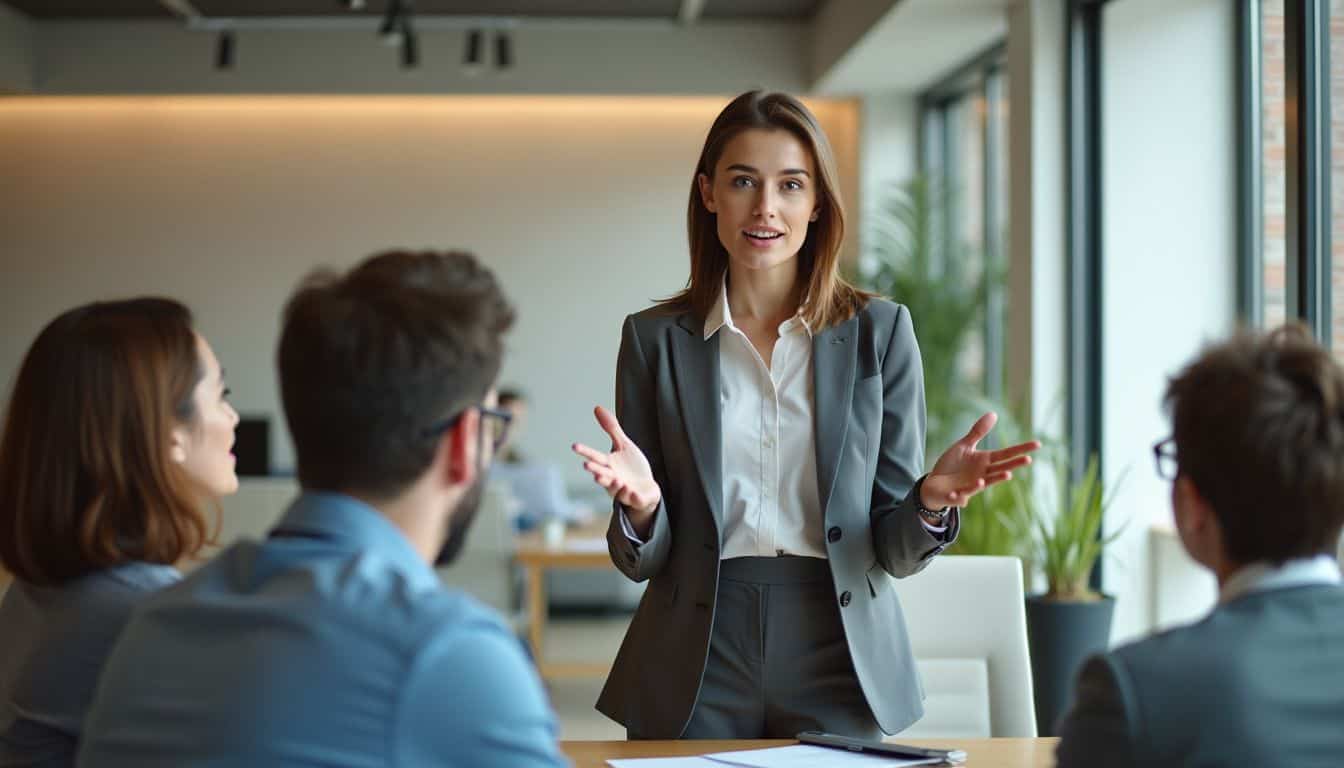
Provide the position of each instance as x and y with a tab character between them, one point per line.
1070	621
910	260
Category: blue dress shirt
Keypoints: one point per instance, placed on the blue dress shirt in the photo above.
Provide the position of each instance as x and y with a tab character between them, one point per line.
53	642
331	643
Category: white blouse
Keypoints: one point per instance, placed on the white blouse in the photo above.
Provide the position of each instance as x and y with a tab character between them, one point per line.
771	505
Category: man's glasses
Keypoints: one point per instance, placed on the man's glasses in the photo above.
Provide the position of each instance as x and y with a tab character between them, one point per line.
1164	456
494	426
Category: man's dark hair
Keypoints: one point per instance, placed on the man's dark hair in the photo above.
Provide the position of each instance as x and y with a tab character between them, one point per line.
1259	428
370	360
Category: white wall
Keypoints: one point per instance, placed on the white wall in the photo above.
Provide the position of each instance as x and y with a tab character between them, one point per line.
225	202
888	138
631	58
16	54
1170	247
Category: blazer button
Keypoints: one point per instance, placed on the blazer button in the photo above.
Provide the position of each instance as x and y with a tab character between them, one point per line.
845	597
833	535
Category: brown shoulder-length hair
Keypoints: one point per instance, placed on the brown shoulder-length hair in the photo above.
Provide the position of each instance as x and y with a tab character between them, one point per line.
85	478
829	298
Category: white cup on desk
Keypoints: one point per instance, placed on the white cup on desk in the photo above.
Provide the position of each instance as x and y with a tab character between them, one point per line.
553	531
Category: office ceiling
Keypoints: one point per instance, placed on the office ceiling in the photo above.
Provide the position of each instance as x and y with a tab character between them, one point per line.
794	10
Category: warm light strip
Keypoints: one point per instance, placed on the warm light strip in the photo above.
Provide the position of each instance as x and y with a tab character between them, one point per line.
435	102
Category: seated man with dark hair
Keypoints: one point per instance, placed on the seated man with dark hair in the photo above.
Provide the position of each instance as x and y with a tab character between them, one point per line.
1256	461
332	642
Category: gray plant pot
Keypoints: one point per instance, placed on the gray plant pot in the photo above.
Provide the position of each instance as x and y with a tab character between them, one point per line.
1061	635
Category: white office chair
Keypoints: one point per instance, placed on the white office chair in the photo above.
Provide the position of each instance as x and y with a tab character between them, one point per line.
968	626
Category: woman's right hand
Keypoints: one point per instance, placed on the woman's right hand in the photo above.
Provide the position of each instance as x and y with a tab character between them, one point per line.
624	472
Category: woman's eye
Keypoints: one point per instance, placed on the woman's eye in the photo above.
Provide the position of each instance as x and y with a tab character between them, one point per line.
793	185
226	393
744	181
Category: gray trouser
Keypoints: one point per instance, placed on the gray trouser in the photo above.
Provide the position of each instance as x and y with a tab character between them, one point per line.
778	663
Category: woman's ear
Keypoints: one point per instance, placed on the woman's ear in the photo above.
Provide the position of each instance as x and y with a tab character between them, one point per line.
178	440
707	192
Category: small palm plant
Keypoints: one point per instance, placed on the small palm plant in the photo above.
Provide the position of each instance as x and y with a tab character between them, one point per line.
1067	544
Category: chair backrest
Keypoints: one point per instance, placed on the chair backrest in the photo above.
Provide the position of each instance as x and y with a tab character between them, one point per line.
965	613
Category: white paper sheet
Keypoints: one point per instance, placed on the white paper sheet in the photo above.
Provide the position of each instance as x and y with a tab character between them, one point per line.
664	762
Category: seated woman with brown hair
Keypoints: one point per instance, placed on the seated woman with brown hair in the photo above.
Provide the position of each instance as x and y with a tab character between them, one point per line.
117	439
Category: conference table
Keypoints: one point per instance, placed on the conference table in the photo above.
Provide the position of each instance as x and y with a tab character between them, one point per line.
980	753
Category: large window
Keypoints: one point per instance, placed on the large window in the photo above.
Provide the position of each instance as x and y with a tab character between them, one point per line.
963	156
1293	166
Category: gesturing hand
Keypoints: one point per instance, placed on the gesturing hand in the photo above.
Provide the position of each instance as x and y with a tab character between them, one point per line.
963	470
624	472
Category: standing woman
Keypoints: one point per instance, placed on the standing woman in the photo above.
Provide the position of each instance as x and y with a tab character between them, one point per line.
118	438
766	456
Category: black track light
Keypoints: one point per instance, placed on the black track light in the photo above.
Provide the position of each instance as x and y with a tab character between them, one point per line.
472	56
410	45
391	28
503	51
224	50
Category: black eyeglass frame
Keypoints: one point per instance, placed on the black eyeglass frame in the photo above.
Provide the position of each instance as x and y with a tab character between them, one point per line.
505	419
1165	460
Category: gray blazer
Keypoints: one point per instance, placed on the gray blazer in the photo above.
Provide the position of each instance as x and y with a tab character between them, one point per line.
869	412
1260	681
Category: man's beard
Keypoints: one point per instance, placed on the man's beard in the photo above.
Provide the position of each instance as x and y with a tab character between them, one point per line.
459	522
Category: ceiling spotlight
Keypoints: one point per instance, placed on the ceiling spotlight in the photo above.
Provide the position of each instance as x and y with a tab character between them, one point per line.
224	50
503	51
471	58
410	45
354	5
391	29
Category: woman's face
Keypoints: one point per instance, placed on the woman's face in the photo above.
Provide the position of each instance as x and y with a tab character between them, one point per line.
204	447
763	193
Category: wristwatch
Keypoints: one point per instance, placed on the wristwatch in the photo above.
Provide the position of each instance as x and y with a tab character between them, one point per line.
929	514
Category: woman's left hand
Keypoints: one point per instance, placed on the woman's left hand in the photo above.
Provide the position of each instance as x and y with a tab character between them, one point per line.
963	470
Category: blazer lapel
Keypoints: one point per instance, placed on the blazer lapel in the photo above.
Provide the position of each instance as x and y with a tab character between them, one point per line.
696	373
833	366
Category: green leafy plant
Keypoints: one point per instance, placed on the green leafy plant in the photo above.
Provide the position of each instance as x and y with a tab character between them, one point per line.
1068	542
910	261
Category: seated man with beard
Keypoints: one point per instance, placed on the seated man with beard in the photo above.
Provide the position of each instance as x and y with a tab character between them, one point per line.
332	642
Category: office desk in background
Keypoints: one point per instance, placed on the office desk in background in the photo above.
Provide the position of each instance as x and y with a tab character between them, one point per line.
980	753
580	548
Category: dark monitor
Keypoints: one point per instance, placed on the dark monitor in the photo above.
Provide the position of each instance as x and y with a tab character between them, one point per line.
252	446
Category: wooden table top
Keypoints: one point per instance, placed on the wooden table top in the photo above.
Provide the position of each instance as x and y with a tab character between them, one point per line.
583	547
980	753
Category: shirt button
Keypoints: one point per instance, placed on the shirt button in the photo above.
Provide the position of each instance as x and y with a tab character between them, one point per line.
845	597
833	535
